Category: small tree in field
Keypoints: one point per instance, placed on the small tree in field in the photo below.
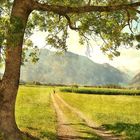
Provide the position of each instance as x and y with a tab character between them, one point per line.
94	18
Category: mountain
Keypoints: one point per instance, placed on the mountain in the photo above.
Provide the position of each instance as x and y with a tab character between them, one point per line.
136	79
126	71
70	68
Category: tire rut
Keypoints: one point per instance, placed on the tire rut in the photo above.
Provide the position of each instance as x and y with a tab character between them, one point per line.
64	131
100	131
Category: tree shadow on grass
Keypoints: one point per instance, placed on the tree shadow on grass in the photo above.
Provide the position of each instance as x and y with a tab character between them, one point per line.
45	134
131	131
49	135
83	129
75	138
53	136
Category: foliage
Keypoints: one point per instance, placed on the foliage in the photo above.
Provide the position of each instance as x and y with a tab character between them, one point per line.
102	91
15	26
108	26
112	86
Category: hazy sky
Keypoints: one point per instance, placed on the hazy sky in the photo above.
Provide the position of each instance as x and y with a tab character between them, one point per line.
129	59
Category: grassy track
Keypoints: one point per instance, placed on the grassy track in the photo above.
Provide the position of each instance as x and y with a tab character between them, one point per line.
117	113
34	112
82	130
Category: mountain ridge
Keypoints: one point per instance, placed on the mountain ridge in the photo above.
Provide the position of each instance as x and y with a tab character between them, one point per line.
70	68
136	79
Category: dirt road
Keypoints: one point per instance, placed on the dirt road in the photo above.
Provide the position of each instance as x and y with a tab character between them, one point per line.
66	132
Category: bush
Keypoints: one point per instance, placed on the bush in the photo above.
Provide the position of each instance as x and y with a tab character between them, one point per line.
112	86
74	86
102	91
36	83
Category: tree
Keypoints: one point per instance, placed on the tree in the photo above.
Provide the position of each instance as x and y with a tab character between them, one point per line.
103	18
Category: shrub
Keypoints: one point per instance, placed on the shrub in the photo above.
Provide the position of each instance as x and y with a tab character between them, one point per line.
102	91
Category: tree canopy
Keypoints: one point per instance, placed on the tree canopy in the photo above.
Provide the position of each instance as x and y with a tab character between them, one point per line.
115	22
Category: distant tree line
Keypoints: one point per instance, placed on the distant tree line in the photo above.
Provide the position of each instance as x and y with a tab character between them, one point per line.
115	86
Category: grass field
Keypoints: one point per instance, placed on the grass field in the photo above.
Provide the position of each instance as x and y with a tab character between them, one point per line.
34	112
119	114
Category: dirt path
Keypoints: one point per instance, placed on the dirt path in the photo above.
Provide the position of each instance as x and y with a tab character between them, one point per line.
64	130
100	131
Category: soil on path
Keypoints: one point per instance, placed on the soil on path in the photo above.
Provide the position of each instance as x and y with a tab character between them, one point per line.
65	132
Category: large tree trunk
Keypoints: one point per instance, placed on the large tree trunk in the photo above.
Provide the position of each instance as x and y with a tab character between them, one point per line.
10	82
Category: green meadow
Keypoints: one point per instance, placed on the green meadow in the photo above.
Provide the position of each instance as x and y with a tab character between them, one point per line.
118	113
35	113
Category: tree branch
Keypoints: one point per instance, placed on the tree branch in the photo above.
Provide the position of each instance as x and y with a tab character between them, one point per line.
135	10
81	9
89	2
70	23
129	20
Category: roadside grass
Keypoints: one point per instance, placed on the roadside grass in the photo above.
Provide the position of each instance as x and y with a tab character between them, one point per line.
78	124
101	91
35	113
120	114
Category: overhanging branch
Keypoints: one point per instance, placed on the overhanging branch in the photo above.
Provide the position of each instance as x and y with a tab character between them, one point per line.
81	9
135	9
129	21
70	23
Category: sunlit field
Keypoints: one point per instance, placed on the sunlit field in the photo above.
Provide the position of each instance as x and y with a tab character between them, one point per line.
118	113
35	113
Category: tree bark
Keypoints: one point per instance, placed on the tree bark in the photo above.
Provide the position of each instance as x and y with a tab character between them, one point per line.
10	81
